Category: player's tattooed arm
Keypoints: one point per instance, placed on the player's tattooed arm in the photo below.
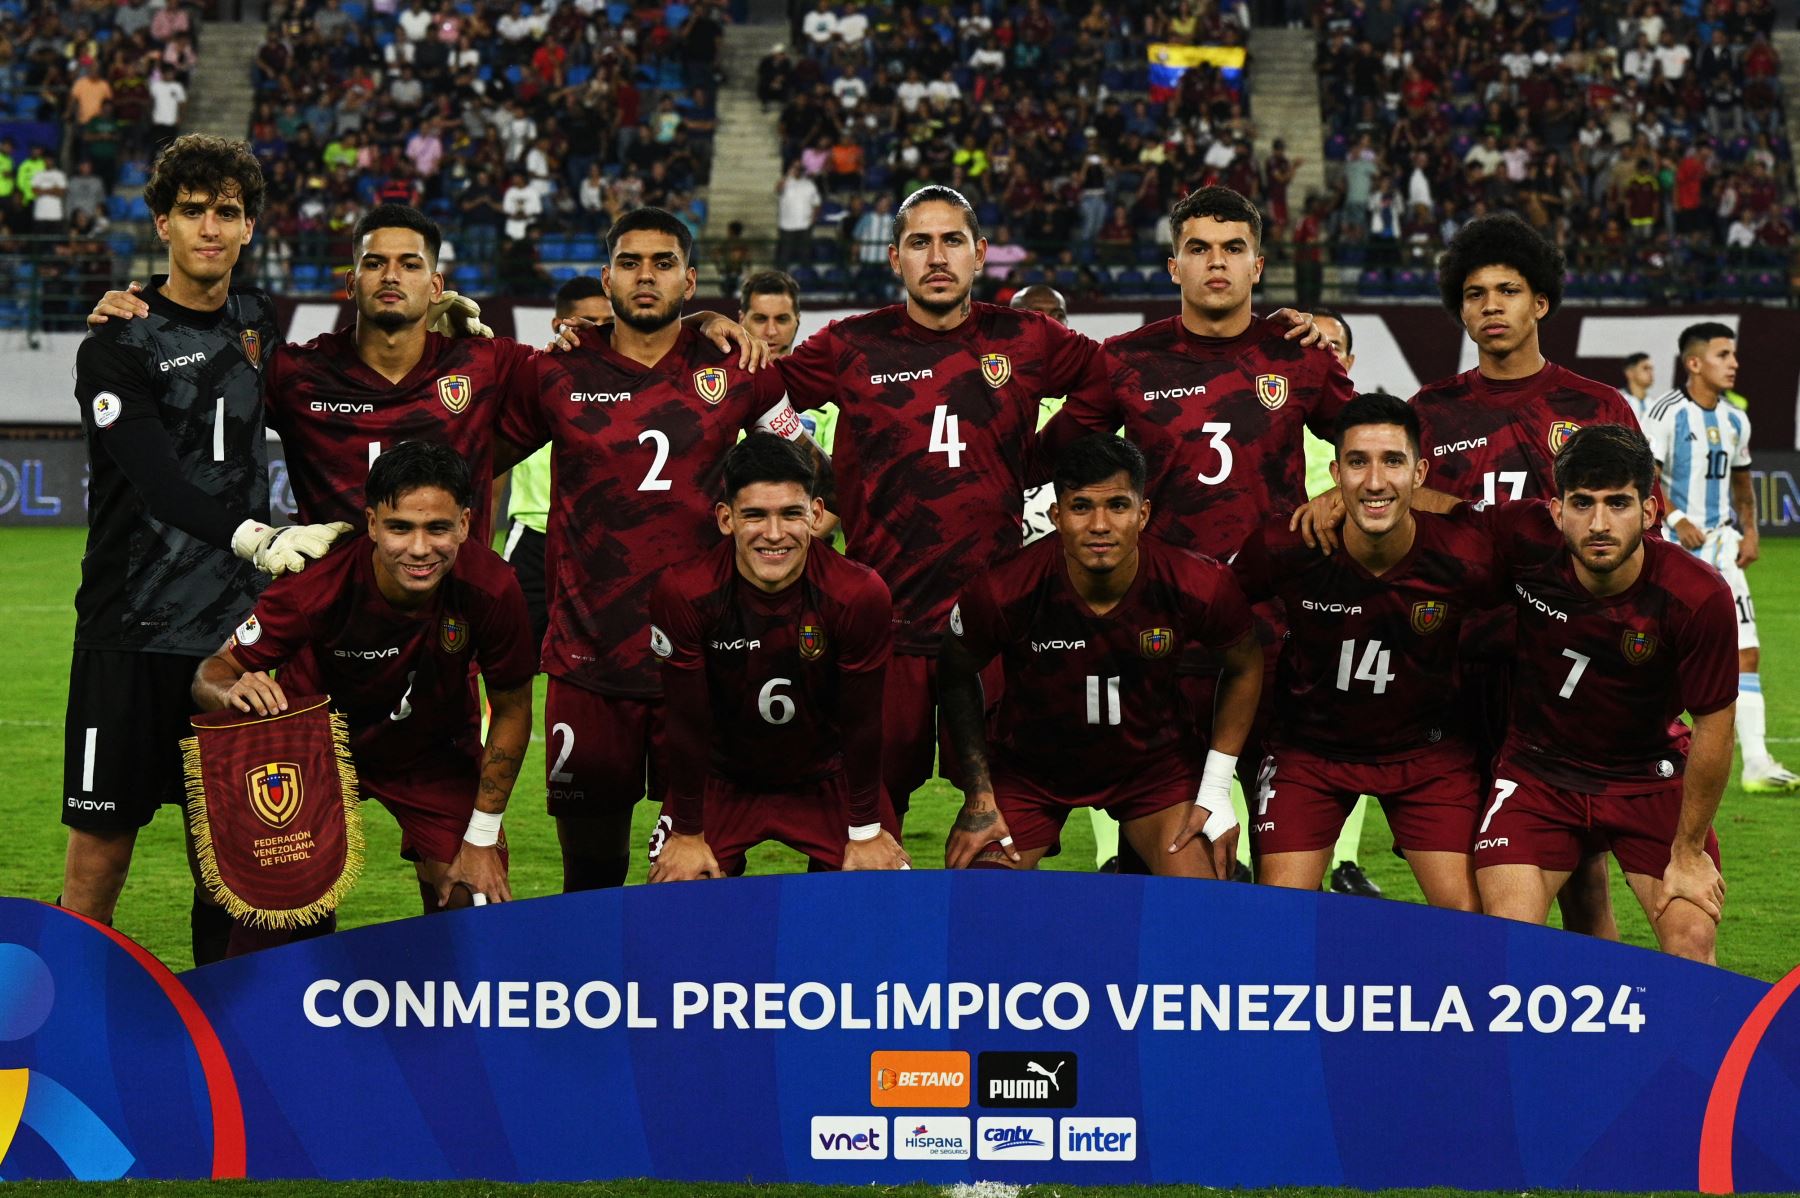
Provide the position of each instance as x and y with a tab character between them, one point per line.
964	712
481	867
1743	502
1691	874
221	682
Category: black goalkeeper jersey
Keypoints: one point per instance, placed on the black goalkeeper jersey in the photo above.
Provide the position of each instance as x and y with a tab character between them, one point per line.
172	407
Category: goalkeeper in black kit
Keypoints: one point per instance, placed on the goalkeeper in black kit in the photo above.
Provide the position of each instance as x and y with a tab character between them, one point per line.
178	508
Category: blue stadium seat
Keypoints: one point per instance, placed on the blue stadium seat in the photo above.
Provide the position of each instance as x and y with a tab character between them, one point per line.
804	275
1372	282
134	172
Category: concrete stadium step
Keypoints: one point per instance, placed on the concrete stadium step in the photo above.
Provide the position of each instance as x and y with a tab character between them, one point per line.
220	98
747	146
1285	104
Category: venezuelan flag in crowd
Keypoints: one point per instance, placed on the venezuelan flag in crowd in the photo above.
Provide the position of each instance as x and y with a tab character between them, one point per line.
1169	62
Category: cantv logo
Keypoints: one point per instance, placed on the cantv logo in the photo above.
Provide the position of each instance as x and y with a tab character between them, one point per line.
849	1138
1015	1139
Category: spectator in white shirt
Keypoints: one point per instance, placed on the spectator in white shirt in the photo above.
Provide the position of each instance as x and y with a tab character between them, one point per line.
167	96
943	90
849	88
988	57
1487	153
522	204
796	208
853	28
1640	61
48	210
1672	56
1418	184
819	28
910	91
415	21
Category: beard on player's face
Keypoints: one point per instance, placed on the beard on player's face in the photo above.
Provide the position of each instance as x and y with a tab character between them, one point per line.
645	320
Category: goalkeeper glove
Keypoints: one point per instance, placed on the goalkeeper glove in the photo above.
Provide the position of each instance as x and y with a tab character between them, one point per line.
279	551
457	316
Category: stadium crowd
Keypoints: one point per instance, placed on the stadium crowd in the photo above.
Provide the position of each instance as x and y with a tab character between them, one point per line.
1646	138
526	129
1044	115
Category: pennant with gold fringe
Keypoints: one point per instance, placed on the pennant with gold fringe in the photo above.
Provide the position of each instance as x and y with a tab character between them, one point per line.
272	807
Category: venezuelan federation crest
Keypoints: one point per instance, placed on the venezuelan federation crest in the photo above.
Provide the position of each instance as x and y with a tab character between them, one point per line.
1271	390
1156	643
1560	432
996	369
709	384
251	340
812	641
455	390
453	634
1428	615
276	792
1639	647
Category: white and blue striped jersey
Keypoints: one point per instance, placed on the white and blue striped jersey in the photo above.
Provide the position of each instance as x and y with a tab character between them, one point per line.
1698	448
1639	408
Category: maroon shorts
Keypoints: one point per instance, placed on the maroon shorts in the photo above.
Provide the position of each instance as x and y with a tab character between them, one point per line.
600	751
431	804
813	819
1301	800
1035	816
1529	822
912	741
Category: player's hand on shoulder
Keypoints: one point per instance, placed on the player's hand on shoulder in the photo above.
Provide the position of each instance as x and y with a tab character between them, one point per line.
1691	875
1303	329
1318	520
123	304
456	315
286	550
482	870
881	851
727	334
568	333
256	693
683	859
978	825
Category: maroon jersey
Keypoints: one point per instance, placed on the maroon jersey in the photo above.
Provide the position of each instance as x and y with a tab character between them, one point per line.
934	441
637	465
1219	419
336	414
1599	683
401	676
775	691
1491	440
1368	671
1089	700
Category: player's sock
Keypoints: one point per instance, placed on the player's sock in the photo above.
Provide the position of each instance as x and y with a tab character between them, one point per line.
1349	845
594	873
1106	836
211	928
1751	729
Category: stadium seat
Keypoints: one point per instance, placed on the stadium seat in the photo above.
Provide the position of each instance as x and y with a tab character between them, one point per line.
1373	283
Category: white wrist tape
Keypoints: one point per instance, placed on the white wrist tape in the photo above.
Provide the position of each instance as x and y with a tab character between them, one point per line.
484	828
1215	794
1674	517
865	831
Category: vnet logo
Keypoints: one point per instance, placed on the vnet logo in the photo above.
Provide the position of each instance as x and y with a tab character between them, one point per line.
849	1138
1015	1139
1085	1138
938	1138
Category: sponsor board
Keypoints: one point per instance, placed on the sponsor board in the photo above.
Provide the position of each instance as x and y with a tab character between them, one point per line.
1085	1138
1017	1139
849	1138
919	1079
932	1138
1025	1079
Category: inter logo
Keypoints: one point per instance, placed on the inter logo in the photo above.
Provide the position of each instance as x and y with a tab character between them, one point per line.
1428	616
453	634
251	340
1560	432
1025	1079
1639	647
275	792
709	384
1271	390
812	641
996	369
455	390
1156	643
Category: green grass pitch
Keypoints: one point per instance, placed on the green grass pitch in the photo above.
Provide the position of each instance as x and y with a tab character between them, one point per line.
1761	837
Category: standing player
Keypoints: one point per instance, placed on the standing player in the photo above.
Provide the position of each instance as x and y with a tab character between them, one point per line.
528	493
773	659
179	490
1619	634
1702	448
937	401
1366	687
390	632
1640	377
1089	627
639	419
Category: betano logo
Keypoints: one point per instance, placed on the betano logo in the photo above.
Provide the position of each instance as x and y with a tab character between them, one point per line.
919	1079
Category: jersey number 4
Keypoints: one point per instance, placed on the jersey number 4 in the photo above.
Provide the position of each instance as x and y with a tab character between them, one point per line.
945	436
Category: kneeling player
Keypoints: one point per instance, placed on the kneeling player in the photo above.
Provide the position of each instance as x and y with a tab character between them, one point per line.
1089	625
1618	635
1365	697
773	663
389	633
